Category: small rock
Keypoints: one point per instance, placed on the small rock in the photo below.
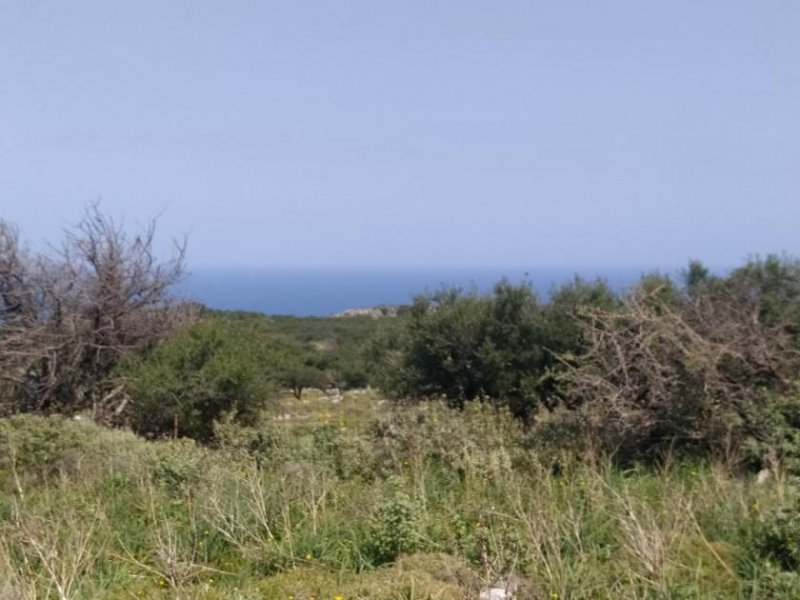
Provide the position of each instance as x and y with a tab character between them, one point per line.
763	476
494	594
503	589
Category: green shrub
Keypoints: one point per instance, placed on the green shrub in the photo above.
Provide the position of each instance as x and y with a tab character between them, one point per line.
177	464
466	346
399	524
265	443
774	432
478	442
214	368
776	535
45	446
347	455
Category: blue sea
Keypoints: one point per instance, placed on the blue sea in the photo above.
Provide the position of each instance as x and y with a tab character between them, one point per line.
321	292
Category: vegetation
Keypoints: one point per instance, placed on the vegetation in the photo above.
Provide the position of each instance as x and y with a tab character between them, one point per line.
232	365
643	444
504	346
693	368
68	316
216	367
419	501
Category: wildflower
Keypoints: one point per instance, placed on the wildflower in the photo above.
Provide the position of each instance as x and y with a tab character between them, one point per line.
554	596
308	556
338	597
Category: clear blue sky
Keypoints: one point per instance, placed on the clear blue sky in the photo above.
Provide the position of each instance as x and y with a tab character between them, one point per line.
410	133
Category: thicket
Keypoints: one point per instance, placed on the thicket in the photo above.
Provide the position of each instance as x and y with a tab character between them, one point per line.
230	366
218	367
92	327
337	345
504	346
708	364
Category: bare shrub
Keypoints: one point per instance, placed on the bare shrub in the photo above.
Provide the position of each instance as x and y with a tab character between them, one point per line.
67	316
683	369
47	554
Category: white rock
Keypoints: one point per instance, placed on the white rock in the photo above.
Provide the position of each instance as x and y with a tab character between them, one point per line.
763	476
504	588
494	593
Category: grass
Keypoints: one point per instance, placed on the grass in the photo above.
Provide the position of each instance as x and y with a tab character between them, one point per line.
360	500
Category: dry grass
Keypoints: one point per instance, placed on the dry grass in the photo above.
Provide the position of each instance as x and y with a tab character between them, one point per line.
463	489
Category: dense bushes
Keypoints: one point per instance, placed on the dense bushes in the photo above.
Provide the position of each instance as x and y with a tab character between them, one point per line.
337	346
230	365
216	367
466	346
701	367
774	432
708	365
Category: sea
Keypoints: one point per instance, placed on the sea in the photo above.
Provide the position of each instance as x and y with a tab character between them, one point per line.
325	291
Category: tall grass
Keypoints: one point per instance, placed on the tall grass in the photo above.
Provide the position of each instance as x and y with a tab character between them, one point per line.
418	502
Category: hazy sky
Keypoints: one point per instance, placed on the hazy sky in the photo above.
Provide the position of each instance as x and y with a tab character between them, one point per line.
410	133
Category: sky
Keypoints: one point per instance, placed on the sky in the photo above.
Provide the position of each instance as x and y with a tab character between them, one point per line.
335	134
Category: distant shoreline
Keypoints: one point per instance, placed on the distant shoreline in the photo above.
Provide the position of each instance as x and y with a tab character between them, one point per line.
324	292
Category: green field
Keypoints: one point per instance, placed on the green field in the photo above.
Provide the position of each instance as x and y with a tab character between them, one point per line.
361	499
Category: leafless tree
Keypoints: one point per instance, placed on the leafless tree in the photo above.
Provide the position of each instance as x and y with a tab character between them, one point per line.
68	316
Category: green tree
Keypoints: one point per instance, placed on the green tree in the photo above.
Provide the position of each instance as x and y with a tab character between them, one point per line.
298	375
218	367
466	346
696	276
567	305
563	330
